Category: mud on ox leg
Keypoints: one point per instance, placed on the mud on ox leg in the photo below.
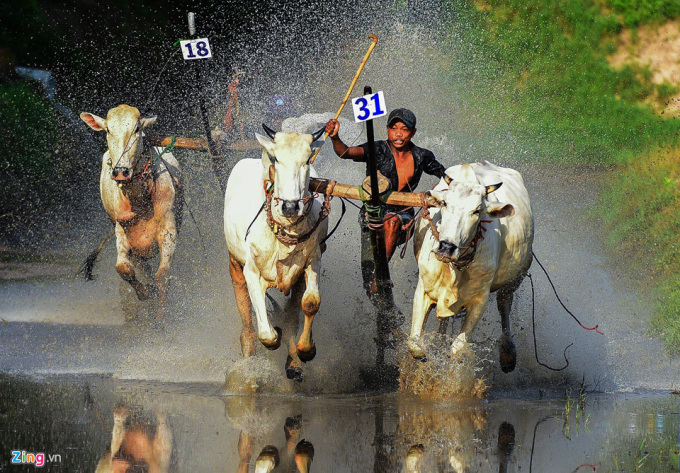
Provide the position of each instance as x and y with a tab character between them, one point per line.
504	298
305	349
244	307
126	268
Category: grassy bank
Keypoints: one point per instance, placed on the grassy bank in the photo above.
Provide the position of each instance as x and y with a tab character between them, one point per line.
541	72
542	75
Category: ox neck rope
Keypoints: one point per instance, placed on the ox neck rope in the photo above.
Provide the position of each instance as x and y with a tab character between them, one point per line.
150	162
282	231
468	255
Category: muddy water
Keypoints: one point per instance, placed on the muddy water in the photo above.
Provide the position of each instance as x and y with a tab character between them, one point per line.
56	331
74	417
61	324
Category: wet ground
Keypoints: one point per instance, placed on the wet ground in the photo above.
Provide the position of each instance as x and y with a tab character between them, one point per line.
73	351
70	421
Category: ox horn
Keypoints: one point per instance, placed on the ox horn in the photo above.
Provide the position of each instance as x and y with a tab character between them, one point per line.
317	134
271	133
493	188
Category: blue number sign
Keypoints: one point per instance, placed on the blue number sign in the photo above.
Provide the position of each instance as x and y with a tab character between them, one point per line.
369	107
196	48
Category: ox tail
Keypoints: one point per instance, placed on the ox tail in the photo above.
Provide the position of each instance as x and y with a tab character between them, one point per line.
88	265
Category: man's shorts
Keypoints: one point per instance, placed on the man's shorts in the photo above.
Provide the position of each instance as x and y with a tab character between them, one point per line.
405	217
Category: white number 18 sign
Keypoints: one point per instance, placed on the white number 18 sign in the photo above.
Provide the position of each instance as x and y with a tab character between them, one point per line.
369	107
196	48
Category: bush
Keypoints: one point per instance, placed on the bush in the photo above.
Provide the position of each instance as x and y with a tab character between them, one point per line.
28	140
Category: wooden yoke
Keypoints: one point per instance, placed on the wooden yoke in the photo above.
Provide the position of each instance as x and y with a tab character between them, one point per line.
200	144
407	199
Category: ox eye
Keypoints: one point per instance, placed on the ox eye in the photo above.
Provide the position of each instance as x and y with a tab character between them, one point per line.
476	212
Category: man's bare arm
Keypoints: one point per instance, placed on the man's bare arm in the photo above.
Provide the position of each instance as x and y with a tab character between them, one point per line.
341	149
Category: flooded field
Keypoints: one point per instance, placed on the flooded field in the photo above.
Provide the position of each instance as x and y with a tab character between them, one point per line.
75	351
91	381
71	422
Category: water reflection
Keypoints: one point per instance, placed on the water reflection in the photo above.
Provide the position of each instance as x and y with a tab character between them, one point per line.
86	424
139	443
294	454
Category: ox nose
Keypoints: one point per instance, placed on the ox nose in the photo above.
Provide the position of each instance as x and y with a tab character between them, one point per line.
446	248
120	174
289	208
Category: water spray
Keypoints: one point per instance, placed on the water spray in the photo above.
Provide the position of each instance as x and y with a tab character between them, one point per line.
351	86
218	163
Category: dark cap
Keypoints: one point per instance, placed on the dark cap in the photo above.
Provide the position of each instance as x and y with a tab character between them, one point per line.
403	115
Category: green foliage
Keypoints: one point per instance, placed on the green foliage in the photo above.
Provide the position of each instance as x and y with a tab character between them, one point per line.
635	12
547	80
541	75
28	132
641	209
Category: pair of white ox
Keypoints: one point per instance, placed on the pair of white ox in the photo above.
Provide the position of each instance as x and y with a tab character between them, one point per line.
261	259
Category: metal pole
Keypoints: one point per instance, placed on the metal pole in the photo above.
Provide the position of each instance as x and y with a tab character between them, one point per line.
387	311
218	163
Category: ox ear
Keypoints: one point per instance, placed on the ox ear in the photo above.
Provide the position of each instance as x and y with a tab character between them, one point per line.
493	188
434	198
267	144
498	210
144	122
93	121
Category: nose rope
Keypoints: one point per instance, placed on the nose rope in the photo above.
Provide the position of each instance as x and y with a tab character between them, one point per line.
311	196
126	148
468	255
282	231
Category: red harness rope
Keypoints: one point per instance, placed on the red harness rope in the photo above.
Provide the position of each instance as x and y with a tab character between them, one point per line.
468	256
281	231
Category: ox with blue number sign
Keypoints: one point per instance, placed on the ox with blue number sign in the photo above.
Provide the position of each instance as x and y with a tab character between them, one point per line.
369	107
196	48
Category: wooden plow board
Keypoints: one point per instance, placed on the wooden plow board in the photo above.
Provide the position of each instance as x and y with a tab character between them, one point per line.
407	199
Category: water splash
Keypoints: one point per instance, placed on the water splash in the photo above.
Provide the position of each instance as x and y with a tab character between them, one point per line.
441	376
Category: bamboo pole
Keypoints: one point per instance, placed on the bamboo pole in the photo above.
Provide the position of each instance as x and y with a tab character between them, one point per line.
200	144
407	199
351	86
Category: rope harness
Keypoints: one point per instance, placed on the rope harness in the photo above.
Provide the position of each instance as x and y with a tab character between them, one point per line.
468	255
150	162
282	231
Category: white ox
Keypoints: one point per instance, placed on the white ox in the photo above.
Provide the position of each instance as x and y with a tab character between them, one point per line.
486	230
142	196
274	238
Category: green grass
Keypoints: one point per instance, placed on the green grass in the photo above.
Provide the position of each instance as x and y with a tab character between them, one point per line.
642	209
541	75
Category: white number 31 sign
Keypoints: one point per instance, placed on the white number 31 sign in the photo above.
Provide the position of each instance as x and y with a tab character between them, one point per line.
196	48
369	107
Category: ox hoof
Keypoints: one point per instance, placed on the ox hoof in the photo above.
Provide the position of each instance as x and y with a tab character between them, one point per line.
268	459
145	291
292	426
306	356
276	343
293	372
416	350
508	354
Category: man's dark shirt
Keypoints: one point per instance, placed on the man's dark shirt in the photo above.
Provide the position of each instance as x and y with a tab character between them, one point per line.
423	161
